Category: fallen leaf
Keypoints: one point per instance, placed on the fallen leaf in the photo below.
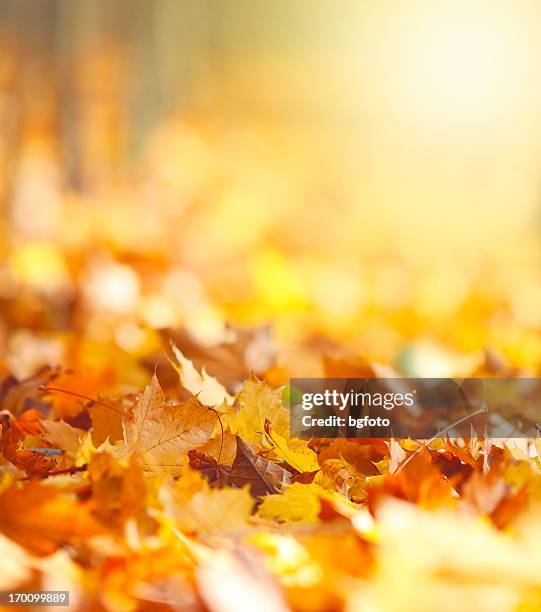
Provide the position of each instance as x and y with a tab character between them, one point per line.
162	435
63	436
106	417
258	403
296	453
262	475
206	388
299	503
216	473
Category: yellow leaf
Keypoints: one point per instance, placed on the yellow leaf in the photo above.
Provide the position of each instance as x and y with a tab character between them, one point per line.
294	452
207	389
299	503
258	404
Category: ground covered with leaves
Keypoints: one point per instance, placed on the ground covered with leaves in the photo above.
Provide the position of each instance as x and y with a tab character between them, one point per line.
192	496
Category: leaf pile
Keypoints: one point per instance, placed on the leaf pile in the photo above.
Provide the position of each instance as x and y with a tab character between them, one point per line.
149	502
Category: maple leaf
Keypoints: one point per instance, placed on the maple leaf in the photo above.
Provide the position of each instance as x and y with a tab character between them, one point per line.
17	396
262	475
223	447
216	473
207	389
299	503
418	479
162	435
106	416
295	453
258	403
63	436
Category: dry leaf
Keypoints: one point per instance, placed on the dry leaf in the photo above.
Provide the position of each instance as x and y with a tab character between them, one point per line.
206	388
106	417
162	435
300	503
258	403
262	475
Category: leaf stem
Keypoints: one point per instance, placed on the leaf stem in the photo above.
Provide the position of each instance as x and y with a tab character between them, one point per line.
80	396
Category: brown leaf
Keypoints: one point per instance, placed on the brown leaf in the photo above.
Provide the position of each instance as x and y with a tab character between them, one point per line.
106	417
216	473
223	447
262	475
162	435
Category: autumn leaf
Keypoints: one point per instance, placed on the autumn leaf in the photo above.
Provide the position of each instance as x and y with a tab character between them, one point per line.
206	388
295	453
14	434
106	416
17	396
162	435
299	503
222	447
419	480
216	473
258	403
262	475
63	436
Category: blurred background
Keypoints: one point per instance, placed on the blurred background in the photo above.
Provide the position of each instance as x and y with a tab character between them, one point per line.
363	175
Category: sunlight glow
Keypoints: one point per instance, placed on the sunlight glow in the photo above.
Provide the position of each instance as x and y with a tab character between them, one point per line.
465	61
